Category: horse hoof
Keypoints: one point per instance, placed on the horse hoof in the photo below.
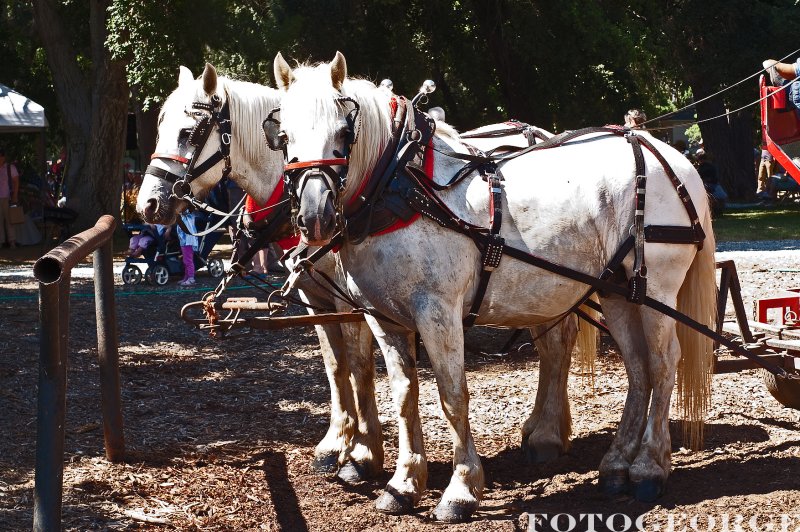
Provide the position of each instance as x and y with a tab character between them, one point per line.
352	472
325	465
539	454
452	512
393	502
613	484
648	490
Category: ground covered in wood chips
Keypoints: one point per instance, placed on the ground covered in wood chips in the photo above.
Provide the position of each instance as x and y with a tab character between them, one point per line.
220	433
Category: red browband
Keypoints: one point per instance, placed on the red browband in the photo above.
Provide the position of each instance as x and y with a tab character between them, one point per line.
178	158
320	162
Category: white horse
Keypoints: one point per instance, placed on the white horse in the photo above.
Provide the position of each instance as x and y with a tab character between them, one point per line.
571	205
353	442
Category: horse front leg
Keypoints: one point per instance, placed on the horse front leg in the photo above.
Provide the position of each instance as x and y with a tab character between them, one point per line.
546	433
410	478
330	451
364	458
443	335
625	324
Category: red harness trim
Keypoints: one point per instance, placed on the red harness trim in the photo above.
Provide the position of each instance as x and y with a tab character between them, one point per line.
178	158
250	205
320	162
427	165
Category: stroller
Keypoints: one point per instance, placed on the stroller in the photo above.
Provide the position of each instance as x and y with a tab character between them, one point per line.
163	259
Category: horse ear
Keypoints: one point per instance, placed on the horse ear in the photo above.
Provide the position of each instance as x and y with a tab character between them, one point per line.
283	72
338	71
210	79
185	76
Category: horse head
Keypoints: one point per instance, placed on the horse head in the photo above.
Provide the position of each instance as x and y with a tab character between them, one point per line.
186	145
324	118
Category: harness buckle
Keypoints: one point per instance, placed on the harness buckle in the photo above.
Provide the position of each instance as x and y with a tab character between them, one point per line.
414	135
181	189
226	139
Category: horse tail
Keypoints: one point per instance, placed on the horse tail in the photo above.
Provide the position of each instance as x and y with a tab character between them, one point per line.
697	299
586	343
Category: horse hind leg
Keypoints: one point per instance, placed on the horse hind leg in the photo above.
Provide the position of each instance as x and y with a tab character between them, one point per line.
651	467
670	344
625	324
546	432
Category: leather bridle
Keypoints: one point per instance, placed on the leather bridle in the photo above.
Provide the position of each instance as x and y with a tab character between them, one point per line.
320	168
208	116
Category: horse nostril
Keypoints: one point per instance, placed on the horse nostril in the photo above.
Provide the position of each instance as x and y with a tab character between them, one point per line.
152	207
300	223
329	223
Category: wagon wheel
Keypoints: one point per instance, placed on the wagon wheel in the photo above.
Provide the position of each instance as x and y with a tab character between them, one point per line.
131	274
785	391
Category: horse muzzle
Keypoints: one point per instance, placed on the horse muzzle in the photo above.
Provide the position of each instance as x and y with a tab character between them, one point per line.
316	217
154	203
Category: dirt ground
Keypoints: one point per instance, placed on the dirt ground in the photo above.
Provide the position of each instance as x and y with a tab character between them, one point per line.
220	433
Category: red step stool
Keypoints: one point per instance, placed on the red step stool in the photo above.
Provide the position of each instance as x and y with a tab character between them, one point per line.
786	300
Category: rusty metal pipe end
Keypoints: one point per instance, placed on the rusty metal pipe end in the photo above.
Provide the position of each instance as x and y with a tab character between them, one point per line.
47	269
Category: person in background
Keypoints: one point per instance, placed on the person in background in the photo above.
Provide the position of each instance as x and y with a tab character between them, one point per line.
708	173
189	243
9	195
781	74
635	119
764	173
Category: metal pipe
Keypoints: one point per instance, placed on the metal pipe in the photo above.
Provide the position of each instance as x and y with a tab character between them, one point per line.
54	273
49	268
108	352
50	413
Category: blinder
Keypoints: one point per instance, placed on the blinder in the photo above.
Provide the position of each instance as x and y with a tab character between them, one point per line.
275	136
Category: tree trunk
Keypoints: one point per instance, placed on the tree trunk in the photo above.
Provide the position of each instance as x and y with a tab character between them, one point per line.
94	106
728	140
146	133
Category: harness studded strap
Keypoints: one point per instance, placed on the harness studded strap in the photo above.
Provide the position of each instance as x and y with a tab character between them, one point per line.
492	245
637	285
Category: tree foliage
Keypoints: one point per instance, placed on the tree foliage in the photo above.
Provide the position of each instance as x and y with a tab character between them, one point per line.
560	65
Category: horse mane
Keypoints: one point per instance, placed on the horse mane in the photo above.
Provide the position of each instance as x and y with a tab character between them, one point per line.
250	104
443	129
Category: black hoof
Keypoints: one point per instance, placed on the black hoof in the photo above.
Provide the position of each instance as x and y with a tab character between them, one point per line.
393	502
352	472
325	465
452	512
614	484
541	453
648	490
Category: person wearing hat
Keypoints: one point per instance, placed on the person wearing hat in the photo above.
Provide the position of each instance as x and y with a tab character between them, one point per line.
9	195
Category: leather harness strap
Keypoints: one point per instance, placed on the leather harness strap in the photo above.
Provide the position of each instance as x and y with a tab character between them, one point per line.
492	245
637	285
